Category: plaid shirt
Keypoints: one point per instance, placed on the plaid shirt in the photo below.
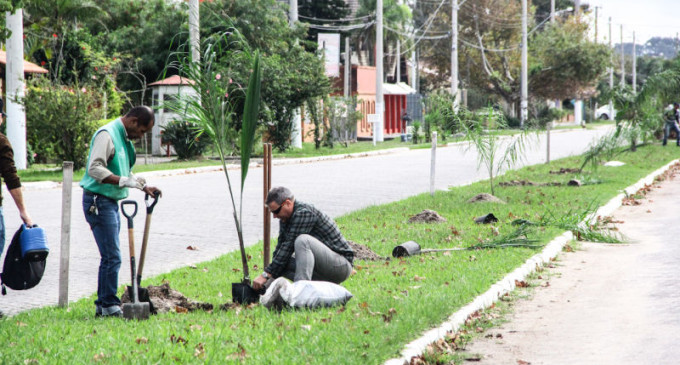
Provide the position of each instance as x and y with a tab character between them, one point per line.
306	219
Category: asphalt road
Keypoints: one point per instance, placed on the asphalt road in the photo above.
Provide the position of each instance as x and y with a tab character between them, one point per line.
196	211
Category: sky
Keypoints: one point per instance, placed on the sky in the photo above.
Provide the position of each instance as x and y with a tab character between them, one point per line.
648	18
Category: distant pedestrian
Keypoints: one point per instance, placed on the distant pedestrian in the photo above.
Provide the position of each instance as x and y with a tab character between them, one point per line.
310	245
672	121
107	179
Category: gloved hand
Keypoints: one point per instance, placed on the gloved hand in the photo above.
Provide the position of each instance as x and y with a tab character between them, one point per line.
140	179
130	182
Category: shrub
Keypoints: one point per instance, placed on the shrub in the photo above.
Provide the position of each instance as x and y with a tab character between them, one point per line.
60	120
186	139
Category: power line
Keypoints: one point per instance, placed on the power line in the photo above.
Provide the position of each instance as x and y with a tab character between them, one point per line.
337	20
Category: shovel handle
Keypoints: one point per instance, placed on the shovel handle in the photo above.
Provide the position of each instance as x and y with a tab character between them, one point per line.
150	206
127	215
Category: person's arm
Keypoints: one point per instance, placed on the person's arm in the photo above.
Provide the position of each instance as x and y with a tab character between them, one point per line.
9	174
18	197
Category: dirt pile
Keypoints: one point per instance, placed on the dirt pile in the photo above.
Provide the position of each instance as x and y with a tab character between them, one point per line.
166	299
484	197
362	252
427	216
563	170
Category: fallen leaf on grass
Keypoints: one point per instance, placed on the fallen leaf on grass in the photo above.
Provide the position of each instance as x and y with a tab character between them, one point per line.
178	339
195	327
142	340
418	278
199	350
21	324
390	313
363	305
306	327
521	284
366	332
239	355
34	361
98	357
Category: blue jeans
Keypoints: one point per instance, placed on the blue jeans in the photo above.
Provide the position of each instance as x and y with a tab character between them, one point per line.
105	227
2	231
667	130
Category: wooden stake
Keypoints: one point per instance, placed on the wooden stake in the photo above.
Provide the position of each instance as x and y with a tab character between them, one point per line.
267	182
66	187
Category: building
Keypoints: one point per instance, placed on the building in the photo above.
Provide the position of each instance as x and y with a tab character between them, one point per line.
166	91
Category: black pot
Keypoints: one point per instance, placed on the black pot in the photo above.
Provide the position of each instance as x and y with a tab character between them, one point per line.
243	293
409	248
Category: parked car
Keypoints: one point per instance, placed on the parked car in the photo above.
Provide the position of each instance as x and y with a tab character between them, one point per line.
604	113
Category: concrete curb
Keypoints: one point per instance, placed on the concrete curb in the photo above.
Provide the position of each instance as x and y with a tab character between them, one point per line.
507	284
42	185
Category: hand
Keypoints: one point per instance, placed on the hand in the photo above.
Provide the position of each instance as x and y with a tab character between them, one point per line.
139	179
130	182
27	219
259	282
152	190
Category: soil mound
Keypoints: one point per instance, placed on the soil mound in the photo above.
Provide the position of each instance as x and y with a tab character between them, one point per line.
527	183
484	197
166	299
427	216
362	252
563	170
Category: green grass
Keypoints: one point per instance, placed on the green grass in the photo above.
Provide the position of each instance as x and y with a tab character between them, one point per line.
420	291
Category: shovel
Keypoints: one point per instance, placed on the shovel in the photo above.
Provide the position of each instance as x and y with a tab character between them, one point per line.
134	310
143	292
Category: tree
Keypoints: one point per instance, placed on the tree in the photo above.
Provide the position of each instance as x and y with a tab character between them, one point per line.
492	152
295	72
214	109
564	62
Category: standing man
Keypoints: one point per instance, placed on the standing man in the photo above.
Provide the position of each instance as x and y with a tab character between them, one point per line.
106	181
310	245
672	121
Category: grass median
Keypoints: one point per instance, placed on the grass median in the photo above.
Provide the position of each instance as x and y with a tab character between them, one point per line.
394	301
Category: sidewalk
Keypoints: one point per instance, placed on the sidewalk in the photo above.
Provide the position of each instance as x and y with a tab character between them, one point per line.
604	303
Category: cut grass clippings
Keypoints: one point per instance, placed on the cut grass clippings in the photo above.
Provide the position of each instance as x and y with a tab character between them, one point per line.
394	301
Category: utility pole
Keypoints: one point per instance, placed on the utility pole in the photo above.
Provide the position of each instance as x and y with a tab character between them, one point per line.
454	54
398	61
676	43
296	132
596	18
552	11
194	40
379	97
524	103
577	8
611	70
634	66
16	114
348	68
623	61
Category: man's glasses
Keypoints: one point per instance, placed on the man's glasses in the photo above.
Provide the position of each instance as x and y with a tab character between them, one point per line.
278	210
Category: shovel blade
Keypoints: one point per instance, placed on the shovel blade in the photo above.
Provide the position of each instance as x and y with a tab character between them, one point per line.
138	311
143	295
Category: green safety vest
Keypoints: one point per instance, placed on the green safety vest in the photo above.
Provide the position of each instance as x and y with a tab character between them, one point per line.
121	163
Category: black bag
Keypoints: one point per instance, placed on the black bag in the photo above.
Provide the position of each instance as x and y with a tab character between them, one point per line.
21	273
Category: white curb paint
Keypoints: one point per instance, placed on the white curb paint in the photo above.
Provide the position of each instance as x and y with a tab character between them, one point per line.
507	284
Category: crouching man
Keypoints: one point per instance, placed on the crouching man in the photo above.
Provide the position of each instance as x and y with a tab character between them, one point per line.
310	245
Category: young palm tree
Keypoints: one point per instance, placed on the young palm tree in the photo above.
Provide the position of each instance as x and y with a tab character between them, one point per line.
214	106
